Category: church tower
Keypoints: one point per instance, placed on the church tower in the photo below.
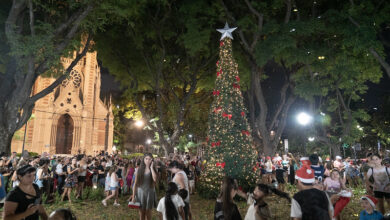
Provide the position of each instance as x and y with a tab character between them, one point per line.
72	119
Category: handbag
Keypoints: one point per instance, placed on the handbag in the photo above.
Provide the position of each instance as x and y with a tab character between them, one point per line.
134	205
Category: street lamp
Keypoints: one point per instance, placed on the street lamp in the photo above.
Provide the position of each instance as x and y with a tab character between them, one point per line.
304	119
139	123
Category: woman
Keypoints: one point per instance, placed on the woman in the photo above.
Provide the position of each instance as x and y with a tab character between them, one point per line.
114	185
129	176
82	177
71	179
258	209
225	208
144	187
171	206
378	178
181	181
24	202
293	166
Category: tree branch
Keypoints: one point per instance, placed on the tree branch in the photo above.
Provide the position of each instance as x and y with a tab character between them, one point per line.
59	80
382	61
43	67
31	13
260	17
288	11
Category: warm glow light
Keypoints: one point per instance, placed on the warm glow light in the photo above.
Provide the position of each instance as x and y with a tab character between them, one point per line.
148	141
139	123
304	119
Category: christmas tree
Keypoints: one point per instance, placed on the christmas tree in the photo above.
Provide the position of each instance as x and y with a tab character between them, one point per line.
230	150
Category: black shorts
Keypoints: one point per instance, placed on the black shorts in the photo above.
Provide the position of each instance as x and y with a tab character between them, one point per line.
381	195
81	179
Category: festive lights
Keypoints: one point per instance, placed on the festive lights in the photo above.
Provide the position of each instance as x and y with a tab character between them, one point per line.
230	148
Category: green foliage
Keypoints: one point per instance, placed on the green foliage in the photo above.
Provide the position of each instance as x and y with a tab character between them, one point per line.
230	149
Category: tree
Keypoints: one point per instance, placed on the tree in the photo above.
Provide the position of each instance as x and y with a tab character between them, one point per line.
36	34
371	20
230	149
298	38
161	54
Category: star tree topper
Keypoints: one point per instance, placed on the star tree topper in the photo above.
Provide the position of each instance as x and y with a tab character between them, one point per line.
226	31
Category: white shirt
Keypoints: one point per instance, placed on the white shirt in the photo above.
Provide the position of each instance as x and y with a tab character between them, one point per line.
113	180
177	201
185	184
251	213
59	169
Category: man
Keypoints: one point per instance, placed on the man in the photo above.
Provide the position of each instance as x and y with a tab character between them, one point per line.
319	170
61	170
309	202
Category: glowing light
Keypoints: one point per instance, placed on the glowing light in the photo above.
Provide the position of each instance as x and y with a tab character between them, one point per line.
304	119
148	141
321	57
139	123
311	139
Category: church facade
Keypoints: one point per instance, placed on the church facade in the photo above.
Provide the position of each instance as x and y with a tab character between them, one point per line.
72	119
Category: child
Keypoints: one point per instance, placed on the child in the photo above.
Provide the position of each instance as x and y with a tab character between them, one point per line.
369	213
171	206
114	186
258	209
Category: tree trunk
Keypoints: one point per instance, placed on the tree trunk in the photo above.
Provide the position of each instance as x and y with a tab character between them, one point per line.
268	148
336	151
6	138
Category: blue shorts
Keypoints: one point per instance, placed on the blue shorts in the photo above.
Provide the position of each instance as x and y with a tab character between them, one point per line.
113	188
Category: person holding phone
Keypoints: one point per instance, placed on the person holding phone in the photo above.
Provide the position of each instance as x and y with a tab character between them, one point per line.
24	202
144	187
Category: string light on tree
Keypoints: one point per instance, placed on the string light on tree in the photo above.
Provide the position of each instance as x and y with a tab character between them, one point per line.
230	149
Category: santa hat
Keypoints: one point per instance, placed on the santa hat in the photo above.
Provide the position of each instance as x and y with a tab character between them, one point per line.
372	200
305	161
305	174
268	158
338	158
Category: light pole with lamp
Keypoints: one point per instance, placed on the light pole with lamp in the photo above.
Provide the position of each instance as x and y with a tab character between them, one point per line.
304	119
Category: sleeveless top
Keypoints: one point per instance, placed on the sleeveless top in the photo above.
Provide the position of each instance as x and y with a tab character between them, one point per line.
185	184
37	180
113	182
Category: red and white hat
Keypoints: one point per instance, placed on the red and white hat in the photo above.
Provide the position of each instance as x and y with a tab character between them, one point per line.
305	161
305	174
372	200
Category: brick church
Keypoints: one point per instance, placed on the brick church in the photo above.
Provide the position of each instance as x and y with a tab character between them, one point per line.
72	119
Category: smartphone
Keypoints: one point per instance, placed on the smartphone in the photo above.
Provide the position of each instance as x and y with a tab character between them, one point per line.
37	201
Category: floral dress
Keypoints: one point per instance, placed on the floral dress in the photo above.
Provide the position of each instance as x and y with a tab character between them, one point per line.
71	179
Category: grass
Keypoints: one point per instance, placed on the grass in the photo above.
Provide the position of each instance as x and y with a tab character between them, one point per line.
91	208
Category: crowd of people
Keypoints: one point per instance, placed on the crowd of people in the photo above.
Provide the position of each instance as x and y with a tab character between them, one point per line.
324	185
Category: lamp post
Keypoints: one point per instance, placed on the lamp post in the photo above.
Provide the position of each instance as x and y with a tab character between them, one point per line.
304	119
